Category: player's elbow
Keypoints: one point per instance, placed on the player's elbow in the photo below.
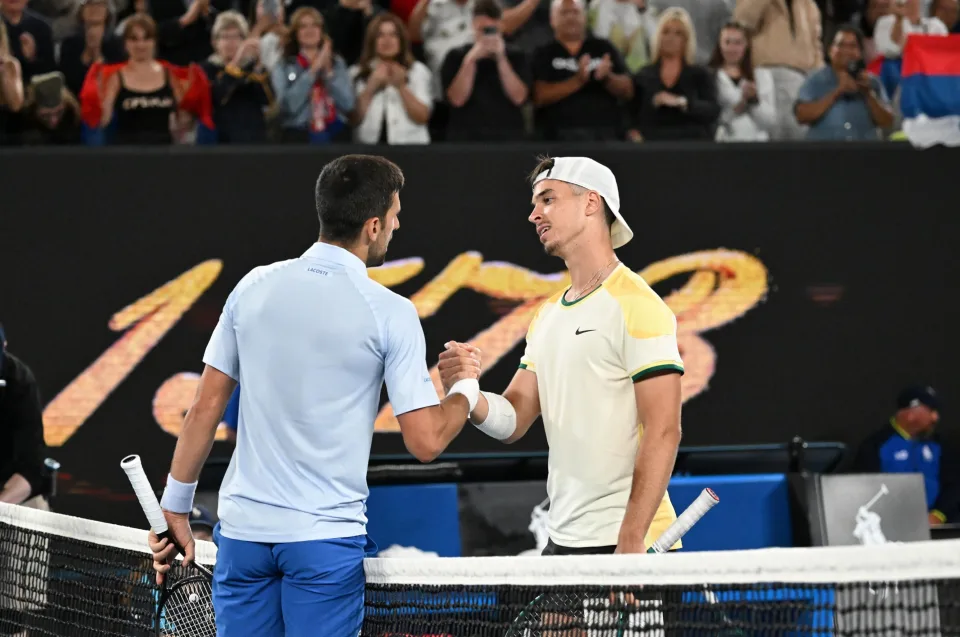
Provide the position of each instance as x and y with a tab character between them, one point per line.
424	449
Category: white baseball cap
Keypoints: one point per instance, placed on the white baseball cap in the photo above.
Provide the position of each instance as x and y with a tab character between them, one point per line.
592	175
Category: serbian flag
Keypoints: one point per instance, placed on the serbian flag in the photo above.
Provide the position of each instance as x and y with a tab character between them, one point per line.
930	90
193	82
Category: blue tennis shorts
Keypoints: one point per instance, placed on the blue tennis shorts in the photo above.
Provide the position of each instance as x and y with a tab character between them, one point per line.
289	590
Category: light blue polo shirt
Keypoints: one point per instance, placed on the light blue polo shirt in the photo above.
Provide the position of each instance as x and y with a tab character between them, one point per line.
311	341
848	119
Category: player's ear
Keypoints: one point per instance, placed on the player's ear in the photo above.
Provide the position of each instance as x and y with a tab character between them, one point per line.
373	227
594	203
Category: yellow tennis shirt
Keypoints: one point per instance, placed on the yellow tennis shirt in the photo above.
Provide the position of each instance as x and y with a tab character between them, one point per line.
587	355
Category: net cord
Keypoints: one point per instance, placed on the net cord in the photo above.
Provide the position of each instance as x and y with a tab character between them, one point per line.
91	531
896	562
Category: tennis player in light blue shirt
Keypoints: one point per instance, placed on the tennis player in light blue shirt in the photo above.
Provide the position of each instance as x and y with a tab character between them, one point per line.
311	340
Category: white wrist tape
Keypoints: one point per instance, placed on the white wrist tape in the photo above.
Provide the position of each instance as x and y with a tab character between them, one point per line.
501	420
469	388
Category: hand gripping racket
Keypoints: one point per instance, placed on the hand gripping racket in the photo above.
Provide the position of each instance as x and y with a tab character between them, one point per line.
185	608
561	608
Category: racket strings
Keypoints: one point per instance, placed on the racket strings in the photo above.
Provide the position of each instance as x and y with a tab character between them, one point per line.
188	610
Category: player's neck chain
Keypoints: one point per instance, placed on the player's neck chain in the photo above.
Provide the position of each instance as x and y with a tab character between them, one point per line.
594	281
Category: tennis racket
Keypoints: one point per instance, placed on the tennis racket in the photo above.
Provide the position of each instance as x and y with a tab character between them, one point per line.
185	607
561	608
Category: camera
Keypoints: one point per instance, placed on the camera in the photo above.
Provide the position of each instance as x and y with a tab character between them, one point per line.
854	68
490	30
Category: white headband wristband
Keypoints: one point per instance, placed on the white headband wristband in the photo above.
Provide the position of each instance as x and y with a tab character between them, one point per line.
501	420
469	388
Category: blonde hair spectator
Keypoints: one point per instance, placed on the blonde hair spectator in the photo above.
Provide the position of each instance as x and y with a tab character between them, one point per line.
230	20
676	15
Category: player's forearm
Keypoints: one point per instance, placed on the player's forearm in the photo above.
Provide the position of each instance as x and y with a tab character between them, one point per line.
16	490
655	461
195	441
447	420
507	420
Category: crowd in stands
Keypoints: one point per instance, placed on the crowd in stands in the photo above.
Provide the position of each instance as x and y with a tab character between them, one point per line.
421	71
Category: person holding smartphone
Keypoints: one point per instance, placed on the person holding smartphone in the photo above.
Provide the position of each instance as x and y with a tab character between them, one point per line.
486	82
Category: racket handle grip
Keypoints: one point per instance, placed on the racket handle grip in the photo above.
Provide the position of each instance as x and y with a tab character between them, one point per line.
148	499
704	502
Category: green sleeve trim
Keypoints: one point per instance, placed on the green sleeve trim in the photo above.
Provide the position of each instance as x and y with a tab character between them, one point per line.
659	368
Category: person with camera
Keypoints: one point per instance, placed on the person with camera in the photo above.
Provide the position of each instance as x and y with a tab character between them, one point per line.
21	433
842	102
486	82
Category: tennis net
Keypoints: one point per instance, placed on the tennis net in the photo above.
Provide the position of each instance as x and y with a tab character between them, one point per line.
62	576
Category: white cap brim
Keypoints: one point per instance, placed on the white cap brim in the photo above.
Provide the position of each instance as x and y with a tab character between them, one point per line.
592	175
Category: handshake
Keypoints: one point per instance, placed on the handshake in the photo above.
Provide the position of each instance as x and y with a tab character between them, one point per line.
458	361
460	367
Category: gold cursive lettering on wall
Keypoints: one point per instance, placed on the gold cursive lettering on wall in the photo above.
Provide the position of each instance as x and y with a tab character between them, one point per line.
146	321
723	285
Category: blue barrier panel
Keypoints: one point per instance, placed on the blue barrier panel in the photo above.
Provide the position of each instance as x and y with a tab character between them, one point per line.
754	512
423	516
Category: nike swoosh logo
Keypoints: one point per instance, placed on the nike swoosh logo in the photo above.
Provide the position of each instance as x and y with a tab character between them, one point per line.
579	331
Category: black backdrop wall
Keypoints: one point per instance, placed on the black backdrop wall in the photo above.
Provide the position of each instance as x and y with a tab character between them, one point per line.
810	282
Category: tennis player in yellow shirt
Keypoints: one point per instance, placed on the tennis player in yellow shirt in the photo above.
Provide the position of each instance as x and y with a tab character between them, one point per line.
601	366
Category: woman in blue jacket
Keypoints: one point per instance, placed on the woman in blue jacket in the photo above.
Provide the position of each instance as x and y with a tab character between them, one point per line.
311	83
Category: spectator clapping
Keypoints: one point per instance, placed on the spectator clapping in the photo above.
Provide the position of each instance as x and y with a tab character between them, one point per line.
580	81
239	83
394	90
311	83
745	94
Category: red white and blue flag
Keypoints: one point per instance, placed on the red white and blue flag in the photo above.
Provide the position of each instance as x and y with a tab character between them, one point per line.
930	90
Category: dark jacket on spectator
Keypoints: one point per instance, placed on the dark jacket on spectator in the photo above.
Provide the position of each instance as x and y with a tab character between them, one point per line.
178	44
21	424
71	58
891	450
44	60
698	121
347	27
240	97
37	132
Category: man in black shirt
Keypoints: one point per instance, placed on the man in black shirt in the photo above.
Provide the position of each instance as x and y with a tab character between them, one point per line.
580	81
486	82
21	431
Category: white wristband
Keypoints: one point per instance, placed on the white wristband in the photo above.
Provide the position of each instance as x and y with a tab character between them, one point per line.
178	496
469	388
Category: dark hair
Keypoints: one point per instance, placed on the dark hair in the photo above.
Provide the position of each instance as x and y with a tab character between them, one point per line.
852	30
487	9
369	54
140	21
352	189
746	64
546	163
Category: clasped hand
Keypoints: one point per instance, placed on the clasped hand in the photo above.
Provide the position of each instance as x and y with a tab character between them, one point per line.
458	361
